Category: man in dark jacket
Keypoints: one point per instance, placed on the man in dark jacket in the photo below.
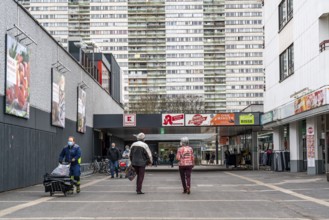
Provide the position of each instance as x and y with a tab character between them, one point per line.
171	158
140	156
114	156
71	153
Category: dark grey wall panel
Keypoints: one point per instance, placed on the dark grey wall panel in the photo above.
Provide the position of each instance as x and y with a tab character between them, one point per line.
149	121
116	121
2	155
108	121
27	153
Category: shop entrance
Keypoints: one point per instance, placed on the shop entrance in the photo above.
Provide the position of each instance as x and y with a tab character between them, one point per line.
165	149
165	130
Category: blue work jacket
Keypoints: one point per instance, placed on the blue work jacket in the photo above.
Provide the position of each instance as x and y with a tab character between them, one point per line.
70	152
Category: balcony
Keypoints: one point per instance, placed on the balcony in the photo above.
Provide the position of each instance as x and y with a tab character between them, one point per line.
324	45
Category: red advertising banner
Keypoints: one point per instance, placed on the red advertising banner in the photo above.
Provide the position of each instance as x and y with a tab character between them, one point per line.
223	119
310	147
172	119
197	119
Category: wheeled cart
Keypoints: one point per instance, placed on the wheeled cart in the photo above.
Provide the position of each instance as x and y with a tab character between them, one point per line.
54	184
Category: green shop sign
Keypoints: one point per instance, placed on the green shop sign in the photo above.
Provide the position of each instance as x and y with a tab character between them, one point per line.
247	119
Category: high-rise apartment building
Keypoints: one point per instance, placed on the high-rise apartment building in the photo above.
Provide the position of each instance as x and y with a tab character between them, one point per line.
244	53
208	50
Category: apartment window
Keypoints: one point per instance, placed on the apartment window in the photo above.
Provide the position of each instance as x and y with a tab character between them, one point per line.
287	63
285	12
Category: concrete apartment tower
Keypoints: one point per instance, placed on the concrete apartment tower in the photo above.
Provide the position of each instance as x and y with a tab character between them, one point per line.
205	50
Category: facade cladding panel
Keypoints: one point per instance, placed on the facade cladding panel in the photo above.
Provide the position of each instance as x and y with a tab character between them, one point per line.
115	78
33	144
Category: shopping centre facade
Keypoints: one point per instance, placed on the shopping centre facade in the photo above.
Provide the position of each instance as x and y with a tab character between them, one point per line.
45	96
297	93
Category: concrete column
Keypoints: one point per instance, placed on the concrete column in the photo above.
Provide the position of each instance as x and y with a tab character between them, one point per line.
321	136
312	140
276	139
254	151
296	156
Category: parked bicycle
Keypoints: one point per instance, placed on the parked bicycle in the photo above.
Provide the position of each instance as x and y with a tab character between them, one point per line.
100	165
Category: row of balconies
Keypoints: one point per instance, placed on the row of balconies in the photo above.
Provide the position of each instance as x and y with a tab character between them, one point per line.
147	60
77	12
146	43
147	68
156	11
160	51
142	34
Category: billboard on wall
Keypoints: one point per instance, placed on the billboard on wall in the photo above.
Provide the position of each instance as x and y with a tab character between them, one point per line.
18	72
173	119
223	119
310	101
197	119
81	120
58	99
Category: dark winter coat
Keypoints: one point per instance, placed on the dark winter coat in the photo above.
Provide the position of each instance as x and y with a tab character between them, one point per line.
113	154
171	157
140	154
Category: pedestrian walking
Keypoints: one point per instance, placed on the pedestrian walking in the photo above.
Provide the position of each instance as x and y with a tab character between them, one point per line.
185	157
212	158
140	157
72	153
125	155
155	159
227	157
114	156
207	157
171	158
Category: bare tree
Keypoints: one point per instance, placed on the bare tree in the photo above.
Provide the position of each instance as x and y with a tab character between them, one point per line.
146	104
184	103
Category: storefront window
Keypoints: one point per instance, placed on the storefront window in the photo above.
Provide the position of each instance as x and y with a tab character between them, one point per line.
166	147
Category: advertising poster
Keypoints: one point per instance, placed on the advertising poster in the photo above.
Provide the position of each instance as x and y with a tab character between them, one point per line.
310	147
129	120
223	119
17	80
310	101
81	110
247	119
58	99
197	120
172	119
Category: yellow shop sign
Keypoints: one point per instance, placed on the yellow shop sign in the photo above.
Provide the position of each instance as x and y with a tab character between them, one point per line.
247	119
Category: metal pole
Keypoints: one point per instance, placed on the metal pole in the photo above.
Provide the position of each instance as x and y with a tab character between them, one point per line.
93	68
217	135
